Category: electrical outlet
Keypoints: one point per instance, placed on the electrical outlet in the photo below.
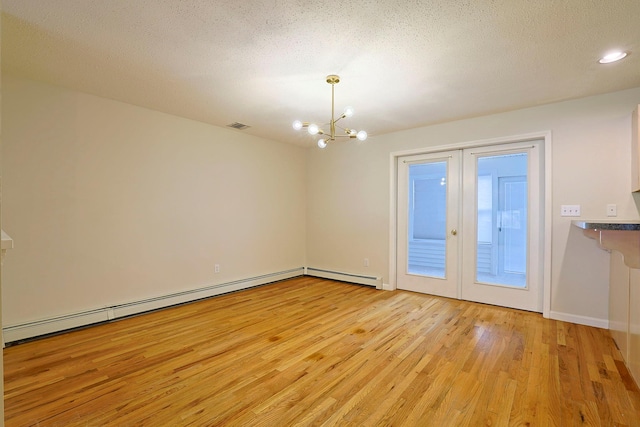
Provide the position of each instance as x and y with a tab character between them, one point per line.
216	268
366	262
612	210
570	210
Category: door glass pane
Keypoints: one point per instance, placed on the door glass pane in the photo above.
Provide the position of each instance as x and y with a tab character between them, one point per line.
501	254
427	229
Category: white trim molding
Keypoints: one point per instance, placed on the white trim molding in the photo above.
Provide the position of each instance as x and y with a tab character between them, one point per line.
580	320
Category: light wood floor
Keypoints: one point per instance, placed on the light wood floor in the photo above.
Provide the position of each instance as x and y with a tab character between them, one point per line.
310	351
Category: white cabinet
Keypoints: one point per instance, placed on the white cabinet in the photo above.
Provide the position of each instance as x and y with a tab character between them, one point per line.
634	325
622	239
619	302
624	311
635	151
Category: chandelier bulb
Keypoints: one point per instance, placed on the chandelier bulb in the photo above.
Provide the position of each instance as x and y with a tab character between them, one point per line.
322	143
313	129
348	112
297	125
362	135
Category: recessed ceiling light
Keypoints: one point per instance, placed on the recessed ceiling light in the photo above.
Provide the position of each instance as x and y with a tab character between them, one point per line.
612	57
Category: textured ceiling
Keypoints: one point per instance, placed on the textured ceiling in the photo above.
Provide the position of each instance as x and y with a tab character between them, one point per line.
403	64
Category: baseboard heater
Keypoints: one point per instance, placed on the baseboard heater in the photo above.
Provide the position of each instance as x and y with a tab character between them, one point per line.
52	325
344	277
24	331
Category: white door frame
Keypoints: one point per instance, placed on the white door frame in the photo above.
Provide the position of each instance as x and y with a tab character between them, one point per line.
545	249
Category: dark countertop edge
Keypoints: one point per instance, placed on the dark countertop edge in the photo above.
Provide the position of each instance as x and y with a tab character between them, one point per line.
603	224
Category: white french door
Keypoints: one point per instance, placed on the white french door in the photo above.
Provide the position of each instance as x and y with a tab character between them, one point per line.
427	235
505	221
469	224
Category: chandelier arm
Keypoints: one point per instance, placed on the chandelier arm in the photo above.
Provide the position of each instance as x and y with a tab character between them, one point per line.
339	118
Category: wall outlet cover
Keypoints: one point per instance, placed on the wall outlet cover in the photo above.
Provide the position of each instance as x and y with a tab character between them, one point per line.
570	210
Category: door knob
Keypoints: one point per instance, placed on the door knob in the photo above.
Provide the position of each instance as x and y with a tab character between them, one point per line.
454	232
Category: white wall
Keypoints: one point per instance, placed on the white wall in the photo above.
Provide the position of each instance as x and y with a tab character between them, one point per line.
110	203
349	195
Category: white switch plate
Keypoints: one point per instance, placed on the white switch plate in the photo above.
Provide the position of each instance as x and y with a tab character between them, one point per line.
570	210
612	210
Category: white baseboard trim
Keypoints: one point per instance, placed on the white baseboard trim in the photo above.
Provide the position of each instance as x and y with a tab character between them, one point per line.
344	277
76	320
580	320
388	287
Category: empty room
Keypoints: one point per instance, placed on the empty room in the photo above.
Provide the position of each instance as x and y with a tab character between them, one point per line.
279	213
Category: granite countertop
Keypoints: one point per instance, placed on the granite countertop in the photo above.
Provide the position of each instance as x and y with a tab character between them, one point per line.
608	224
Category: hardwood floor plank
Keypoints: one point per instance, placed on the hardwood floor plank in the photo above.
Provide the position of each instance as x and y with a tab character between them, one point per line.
310	352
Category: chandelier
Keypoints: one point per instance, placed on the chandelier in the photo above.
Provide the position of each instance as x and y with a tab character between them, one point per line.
314	129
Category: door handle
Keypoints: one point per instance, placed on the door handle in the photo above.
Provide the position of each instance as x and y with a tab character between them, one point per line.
454	232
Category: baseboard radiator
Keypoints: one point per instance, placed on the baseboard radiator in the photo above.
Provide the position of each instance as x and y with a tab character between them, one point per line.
345	277
24	331
76	320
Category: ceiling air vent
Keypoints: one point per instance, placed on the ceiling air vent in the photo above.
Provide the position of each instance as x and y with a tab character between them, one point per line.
239	126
